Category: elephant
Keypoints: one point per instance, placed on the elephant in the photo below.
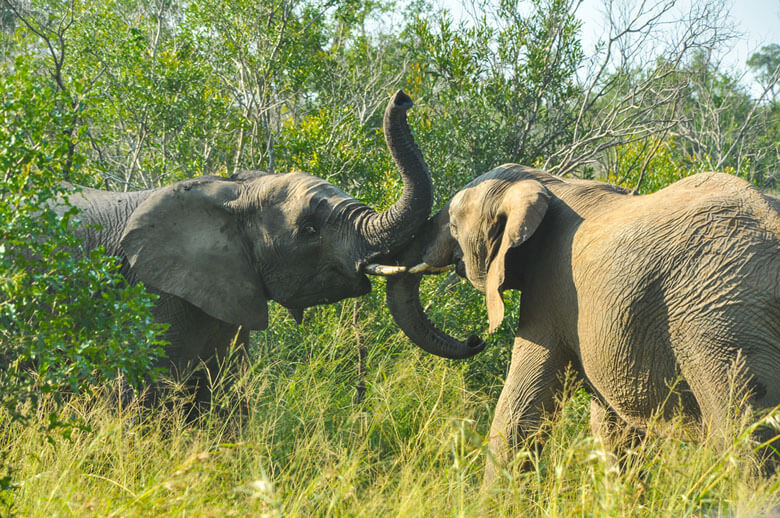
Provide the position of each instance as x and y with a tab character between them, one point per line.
660	303
217	249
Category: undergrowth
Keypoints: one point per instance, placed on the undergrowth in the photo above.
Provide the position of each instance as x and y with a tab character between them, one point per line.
286	438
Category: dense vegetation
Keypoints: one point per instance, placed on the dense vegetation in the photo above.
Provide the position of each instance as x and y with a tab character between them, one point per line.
122	94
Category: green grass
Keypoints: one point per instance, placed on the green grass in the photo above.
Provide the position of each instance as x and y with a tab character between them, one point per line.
413	447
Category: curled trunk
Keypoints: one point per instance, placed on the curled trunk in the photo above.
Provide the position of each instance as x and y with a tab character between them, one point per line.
403	299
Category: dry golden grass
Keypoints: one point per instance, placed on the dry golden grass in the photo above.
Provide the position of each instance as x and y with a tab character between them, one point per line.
414	447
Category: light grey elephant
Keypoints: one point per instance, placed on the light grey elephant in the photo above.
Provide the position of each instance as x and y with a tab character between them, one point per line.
217	249
636	293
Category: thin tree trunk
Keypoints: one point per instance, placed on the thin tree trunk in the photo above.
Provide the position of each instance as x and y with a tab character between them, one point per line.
360	393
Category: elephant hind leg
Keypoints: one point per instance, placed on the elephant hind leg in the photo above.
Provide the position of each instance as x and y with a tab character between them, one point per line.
731	397
531	392
607	426
613	431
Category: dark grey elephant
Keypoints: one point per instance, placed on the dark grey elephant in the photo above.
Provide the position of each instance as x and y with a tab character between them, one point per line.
217	249
637	293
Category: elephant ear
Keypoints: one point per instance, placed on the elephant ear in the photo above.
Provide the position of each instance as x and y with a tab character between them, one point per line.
522	209
185	240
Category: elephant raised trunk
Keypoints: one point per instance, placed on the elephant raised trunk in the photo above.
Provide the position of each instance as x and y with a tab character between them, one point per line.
387	231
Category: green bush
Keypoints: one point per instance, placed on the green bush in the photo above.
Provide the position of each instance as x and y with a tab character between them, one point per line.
650	165
67	319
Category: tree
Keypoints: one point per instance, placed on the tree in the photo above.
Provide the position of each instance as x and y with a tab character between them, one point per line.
514	84
766	64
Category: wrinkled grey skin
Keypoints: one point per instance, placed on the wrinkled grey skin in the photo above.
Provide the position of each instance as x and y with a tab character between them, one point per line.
217	249
634	292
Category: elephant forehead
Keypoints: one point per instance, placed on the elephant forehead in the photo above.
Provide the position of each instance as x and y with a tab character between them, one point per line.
461	205
477	201
306	185
295	188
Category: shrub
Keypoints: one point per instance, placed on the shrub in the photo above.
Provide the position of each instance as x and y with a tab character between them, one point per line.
67	319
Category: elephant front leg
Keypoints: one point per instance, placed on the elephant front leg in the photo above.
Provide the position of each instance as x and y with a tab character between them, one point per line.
535	379
218	374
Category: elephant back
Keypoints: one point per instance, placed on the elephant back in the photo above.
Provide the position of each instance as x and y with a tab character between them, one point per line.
102	216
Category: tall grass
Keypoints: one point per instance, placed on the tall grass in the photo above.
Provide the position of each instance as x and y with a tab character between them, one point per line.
286	438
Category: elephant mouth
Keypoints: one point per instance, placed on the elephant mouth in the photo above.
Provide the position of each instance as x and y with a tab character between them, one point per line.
321	289
300	299
363	286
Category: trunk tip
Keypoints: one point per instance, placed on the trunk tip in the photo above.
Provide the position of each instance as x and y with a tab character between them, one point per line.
401	100
475	343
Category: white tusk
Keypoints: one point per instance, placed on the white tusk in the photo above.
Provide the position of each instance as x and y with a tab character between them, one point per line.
427	268
383	269
420	268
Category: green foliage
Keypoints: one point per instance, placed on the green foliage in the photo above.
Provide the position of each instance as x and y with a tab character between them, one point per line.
647	165
650	165
126	94
766	62
724	128
500	90
67	320
332	144
157	111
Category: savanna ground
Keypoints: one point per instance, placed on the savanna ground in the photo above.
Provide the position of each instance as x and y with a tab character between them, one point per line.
288	439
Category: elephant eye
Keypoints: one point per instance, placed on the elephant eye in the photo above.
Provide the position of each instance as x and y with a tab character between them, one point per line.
309	230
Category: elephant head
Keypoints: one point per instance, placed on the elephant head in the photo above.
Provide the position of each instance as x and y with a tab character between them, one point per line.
476	231
228	245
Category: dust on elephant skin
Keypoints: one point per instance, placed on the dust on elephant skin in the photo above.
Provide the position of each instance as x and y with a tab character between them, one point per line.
640	294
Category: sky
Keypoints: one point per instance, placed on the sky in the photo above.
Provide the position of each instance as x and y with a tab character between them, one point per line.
758	21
